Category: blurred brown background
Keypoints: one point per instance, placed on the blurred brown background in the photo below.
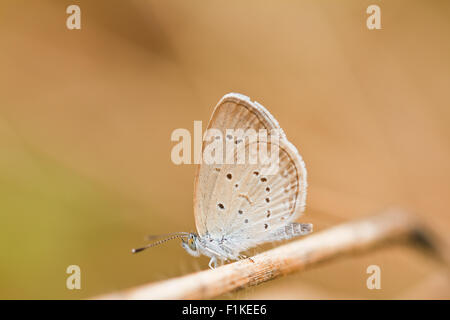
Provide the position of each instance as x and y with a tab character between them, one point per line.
86	117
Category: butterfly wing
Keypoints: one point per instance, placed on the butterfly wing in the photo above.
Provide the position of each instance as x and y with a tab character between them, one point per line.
234	111
239	202
256	207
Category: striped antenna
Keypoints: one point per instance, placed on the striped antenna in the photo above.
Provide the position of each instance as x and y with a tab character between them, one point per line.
158	236
174	236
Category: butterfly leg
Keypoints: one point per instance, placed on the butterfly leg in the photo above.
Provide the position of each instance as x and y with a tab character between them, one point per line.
243	256
213	263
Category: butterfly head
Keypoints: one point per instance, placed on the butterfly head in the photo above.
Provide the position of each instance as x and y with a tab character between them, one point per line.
190	244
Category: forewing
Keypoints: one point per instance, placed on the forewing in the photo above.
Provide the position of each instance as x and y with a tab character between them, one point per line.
234	111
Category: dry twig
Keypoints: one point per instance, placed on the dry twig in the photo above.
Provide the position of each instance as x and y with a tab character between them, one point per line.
291	257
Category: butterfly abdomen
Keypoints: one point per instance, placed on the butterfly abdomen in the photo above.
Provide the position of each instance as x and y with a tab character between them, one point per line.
291	230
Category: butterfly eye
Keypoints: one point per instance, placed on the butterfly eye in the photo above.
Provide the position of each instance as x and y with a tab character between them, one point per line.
191	244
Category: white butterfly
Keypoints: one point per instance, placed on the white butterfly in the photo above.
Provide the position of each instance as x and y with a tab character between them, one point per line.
238	206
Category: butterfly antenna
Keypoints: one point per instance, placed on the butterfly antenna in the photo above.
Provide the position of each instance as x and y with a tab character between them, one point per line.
157	236
175	236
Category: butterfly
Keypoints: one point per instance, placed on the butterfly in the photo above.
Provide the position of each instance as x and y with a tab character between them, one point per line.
241	204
